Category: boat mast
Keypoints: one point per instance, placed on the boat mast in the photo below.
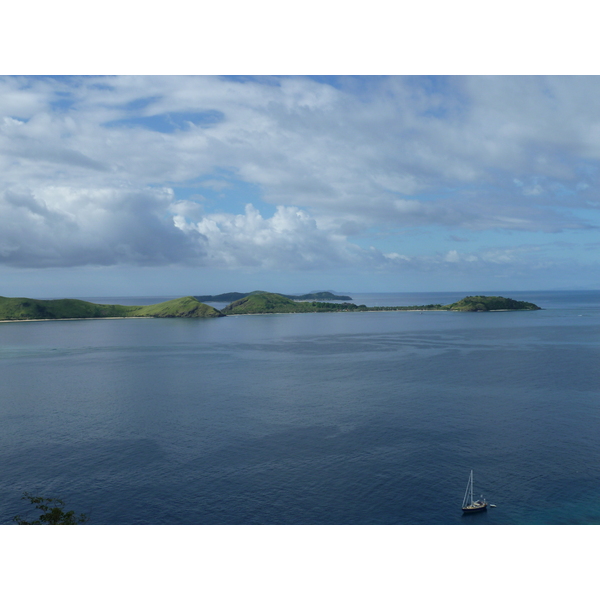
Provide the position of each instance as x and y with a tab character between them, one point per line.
469	491
471	486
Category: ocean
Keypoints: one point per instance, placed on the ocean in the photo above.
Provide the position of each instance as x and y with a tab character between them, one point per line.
346	418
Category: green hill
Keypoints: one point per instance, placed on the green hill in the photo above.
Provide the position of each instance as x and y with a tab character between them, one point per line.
259	303
187	307
227	297
264	303
27	309
487	303
255	303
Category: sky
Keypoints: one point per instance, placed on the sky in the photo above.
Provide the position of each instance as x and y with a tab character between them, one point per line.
175	185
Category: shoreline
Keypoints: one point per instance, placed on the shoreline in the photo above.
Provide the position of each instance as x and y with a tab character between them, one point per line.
269	313
70	319
241	315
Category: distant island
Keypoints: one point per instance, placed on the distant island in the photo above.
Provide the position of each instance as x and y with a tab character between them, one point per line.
264	303
233	296
27	309
490	303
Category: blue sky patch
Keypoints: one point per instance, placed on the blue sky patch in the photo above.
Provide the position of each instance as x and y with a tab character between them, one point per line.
63	101
171	122
141	103
224	194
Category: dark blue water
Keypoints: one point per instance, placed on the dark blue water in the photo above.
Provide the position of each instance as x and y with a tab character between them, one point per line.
366	418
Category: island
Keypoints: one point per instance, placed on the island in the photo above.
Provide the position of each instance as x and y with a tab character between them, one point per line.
490	303
256	303
233	296
27	309
265	303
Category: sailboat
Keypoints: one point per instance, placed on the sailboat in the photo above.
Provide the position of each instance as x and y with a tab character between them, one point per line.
470	506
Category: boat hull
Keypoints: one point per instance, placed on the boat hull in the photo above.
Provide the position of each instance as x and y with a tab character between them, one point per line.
475	508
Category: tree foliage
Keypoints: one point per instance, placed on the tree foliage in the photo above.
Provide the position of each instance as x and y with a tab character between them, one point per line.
22	309
485	303
53	512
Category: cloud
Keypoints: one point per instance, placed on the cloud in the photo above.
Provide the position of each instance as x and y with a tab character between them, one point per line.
66	227
289	237
91	168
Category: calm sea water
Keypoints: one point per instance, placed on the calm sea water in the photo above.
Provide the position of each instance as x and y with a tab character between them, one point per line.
367	418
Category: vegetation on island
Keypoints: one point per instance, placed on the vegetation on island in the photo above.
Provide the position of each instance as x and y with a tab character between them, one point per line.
28	309
233	296
319	296
181	307
52	512
255	303
264	303
487	303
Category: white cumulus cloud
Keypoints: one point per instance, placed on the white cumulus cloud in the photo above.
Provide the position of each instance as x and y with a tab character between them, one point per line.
289	237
